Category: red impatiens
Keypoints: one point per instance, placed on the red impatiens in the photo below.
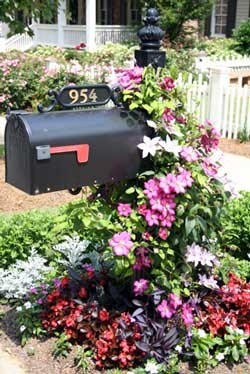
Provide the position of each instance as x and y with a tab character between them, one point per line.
113	335
227	306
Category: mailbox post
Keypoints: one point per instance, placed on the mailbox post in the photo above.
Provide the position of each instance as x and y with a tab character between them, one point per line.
56	150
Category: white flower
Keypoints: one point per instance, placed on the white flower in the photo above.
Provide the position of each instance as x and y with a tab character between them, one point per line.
152	367
28	305
242	341
202	333
171	146
19	308
220	356
178	348
151	124
22	328
208	282
150	146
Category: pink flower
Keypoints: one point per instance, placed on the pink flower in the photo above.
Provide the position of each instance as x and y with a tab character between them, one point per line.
209	167
163	233
142	259
189	154
129	78
168	115
174	300
151	188
124	209
121	243
140	286
187	315
142	209
181	119
152	218
167	84
210	136
146	235
165	309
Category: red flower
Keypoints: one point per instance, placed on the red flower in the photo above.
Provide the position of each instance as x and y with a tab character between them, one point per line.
102	347
103	315
83	293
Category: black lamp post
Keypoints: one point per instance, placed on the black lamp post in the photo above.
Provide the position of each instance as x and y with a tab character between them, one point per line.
150	35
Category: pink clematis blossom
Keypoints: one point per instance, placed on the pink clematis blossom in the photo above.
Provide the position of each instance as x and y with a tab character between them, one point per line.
140	286
189	154
121	243
124	209
129	78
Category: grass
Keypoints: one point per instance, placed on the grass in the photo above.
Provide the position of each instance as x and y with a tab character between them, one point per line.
1	151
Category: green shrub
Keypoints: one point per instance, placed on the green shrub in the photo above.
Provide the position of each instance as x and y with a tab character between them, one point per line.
236	223
231	264
20	232
220	48
242	38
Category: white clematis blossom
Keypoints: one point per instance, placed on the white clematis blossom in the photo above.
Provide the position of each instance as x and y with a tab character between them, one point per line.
149	146
171	146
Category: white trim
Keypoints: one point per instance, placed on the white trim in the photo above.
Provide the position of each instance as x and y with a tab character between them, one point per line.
90	25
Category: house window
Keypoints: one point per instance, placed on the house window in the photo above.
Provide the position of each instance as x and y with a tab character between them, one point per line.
133	12
102	12
220	14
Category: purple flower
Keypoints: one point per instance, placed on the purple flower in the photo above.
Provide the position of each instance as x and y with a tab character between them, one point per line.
33	290
187	315
140	286
124	209
121	243
165	309
197	254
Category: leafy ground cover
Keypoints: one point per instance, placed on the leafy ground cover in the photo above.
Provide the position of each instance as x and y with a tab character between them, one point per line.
140	281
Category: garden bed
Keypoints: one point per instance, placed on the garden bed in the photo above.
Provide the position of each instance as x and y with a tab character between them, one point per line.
36	357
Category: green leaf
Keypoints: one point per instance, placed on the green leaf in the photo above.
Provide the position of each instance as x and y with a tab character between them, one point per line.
130	190
235	353
148	108
189	225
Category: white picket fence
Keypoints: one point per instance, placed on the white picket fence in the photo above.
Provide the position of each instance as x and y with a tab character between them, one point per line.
226	106
232	112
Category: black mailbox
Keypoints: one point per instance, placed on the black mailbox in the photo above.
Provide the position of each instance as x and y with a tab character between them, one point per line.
69	149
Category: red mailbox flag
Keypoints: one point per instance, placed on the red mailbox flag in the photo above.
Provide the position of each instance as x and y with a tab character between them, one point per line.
82	151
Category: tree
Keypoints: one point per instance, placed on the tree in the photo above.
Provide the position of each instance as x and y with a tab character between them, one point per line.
18	13
174	13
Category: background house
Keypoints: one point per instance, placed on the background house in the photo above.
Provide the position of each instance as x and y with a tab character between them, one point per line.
226	16
96	22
